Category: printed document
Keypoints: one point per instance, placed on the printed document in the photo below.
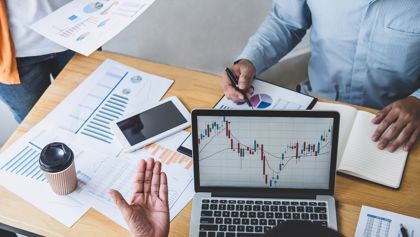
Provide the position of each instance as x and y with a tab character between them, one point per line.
85	25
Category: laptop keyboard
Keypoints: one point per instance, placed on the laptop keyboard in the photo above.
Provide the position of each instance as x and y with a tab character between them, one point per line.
244	218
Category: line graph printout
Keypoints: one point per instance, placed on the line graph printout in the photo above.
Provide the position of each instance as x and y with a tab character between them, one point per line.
265	151
85	25
119	172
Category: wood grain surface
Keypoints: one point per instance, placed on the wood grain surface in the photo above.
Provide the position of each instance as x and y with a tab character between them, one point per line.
195	90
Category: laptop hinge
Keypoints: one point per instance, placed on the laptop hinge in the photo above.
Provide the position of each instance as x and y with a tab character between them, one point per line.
264	195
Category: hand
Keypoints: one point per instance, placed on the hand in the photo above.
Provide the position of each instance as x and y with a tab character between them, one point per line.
399	124
147	215
245	70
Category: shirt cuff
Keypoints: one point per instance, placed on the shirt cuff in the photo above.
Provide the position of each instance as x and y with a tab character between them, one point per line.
256	60
416	94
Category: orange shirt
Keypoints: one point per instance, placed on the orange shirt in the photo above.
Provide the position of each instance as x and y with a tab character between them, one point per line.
8	68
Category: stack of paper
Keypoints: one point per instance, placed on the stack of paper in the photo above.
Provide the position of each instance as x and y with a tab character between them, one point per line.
82	121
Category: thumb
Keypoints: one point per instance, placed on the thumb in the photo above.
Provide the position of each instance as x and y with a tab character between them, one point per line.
244	80
119	201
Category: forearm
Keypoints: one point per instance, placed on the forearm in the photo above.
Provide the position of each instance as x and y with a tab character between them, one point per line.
279	33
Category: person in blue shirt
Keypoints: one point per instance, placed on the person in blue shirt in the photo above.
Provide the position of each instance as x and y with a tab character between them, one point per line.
362	52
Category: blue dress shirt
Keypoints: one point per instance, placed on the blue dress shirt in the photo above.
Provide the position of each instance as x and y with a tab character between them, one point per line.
364	52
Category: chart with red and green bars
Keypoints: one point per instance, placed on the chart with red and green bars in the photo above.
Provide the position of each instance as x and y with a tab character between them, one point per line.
265	152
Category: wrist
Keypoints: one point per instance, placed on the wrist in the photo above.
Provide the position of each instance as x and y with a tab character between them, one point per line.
414	98
244	60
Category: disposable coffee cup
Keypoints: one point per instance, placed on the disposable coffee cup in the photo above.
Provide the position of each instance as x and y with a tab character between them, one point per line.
57	163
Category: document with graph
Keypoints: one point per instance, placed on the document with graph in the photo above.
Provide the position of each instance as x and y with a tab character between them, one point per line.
119	172
358	155
375	222
85	25
272	152
82	121
269	96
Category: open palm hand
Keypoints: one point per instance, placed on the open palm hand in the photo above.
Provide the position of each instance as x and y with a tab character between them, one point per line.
148	211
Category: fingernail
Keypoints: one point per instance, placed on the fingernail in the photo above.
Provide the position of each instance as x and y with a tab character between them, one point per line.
241	96
405	148
391	149
381	146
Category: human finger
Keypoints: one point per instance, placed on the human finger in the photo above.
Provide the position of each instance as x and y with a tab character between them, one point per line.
156	179
382	114
230	91
402	138
412	140
148	175
245	79
384	124
120	202
163	189
391	134
249	92
139	178
245	71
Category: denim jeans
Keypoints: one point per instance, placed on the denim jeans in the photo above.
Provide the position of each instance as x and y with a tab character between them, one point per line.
34	74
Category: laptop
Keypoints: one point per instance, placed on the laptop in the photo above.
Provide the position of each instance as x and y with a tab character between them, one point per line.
256	169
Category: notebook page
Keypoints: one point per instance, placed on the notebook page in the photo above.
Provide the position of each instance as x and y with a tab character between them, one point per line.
347	116
363	159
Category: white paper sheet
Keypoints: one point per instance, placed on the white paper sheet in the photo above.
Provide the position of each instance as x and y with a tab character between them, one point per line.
347	115
377	222
108	94
85	25
20	174
270	97
118	173
81	121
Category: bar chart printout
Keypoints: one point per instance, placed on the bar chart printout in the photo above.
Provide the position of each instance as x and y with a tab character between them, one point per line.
109	93
24	160
265	152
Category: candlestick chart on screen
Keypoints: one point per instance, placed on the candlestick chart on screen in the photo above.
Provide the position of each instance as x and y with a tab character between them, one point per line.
265	151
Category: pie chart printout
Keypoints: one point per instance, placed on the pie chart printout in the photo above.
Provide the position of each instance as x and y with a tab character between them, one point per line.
261	101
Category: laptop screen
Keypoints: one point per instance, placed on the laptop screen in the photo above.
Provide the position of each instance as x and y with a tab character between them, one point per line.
264	152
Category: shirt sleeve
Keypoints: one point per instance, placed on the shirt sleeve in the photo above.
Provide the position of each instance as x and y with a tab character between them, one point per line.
416	94
280	32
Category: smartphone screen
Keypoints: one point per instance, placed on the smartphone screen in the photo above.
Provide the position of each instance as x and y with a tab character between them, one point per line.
151	122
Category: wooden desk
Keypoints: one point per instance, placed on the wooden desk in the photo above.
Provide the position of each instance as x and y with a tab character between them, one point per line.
196	90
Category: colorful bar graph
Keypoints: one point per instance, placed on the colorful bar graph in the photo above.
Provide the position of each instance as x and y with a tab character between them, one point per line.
169	157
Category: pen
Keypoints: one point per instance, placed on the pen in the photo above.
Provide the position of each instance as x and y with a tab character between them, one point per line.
234	81
404	231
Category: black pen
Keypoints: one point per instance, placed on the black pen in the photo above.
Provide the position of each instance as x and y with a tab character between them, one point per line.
234	81
404	232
